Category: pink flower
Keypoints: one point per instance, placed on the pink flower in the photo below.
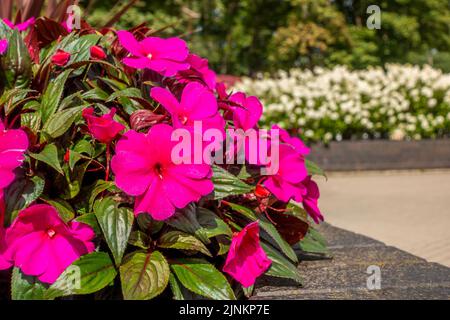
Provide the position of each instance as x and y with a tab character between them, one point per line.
97	53
246	259
285	184
197	104
248	113
21	26
165	56
13	144
103	128
4	264
295	142
144	168
199	70
41	244
310	199
60	58
3	46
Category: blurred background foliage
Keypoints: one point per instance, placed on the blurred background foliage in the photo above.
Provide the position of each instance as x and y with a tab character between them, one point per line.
242	37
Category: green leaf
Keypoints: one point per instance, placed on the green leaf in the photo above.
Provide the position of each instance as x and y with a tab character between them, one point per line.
13	98
16	71
281	267
202	278
95	94
91	220
127	93
97	189
248	291
116	224
52	96
269	228
314	169
226	184
144	275
139	239
243	174
84	147
149	225
26	287
176	288
79	49
182	241
60	122
74	179
32	121
297	211
21	193
314	242
212	224
186	220
64	208
88	274
49	156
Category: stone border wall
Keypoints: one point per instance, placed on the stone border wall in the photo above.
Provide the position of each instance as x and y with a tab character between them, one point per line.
382	155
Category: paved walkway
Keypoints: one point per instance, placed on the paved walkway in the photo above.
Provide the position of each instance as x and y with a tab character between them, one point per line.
361	268
406	209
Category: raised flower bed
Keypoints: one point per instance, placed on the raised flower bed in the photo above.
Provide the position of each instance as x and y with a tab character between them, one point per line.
95	202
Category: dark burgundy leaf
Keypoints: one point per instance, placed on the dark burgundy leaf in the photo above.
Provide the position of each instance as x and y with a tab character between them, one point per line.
143	119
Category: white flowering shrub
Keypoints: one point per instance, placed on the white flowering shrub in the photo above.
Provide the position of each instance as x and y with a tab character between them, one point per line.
397	102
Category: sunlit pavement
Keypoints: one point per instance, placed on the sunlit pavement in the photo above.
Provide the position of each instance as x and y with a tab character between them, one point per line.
406	209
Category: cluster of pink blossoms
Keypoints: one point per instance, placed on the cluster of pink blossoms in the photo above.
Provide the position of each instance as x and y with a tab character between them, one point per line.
143	166
38	241
41	244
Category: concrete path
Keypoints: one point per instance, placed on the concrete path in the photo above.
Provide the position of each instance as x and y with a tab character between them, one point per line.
406	209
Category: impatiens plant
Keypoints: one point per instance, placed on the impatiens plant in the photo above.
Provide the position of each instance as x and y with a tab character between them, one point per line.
118	178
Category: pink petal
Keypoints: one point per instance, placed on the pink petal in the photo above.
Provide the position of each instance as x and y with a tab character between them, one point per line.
198	101
193	171
182	190
132	164
129	42
62	253
155	202
9	23
83	232
247	116
283	190
293	169
166	99
6	177
246	259
170	49
4	263
167	68
25	25
35	218
32	253
137	63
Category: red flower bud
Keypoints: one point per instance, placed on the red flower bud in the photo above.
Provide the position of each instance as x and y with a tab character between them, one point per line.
97	53
60	58
103	128
261	192
67	156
